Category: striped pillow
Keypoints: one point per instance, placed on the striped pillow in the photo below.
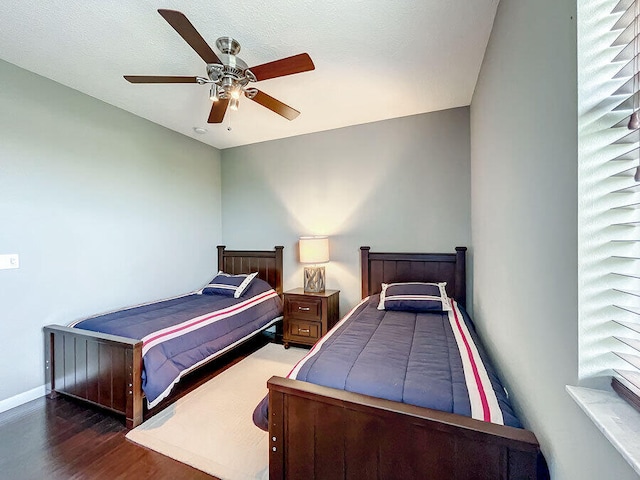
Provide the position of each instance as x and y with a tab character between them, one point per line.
414	297
229	285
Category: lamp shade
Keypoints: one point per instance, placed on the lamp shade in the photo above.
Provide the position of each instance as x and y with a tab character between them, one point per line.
314	249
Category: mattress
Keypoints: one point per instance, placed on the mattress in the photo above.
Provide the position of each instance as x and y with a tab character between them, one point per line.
182	333
433	360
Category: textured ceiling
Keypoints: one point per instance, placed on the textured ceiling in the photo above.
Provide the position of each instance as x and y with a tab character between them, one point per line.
374	59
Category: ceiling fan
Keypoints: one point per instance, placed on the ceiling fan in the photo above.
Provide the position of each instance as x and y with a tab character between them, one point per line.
227	74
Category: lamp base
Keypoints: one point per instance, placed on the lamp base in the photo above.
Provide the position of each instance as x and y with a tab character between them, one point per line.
313	279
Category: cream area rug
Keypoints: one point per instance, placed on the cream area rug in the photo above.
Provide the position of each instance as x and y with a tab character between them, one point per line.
211	428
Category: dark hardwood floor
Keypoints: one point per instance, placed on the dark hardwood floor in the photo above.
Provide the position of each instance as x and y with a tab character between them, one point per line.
64	439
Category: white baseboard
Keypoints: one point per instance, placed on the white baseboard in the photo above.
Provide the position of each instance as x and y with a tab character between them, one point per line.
21	398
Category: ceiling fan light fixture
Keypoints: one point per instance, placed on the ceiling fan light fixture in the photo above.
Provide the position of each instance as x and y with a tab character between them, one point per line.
226	83
229	75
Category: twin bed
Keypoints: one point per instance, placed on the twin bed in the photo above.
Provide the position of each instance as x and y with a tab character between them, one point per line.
392	391
107	360
386	396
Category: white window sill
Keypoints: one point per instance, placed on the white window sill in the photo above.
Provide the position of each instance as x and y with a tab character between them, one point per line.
614	417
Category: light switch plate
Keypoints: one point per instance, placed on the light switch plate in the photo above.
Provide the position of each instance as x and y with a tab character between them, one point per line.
11	260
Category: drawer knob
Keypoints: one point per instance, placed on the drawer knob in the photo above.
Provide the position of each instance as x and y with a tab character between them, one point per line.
304	309
305	330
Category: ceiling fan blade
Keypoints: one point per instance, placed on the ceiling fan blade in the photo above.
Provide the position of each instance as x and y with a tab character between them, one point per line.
158	79
218	109
285	66
186	30
275	105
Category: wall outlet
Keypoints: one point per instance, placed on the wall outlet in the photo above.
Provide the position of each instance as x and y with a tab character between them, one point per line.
11	260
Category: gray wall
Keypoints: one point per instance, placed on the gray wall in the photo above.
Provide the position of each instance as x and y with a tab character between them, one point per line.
104	208
398	185
524	228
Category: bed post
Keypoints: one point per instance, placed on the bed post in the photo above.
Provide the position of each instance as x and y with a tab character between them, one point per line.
277	443
49	366
364	270
279	288
135	398
221	257
461	279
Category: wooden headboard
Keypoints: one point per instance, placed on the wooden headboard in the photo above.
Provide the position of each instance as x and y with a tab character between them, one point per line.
377	268
268	264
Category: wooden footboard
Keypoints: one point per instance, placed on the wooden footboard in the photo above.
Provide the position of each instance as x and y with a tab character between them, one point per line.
101	369
317	432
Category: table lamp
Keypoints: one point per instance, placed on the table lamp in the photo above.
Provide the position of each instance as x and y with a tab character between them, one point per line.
314	250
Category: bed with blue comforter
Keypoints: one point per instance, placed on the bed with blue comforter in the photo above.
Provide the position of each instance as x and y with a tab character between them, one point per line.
118	359
401	387
180	334
428	359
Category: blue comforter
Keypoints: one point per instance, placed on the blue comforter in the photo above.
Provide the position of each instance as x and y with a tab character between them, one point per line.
432	360
184	332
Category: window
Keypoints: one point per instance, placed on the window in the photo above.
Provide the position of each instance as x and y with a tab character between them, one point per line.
609	220
609	198
624	217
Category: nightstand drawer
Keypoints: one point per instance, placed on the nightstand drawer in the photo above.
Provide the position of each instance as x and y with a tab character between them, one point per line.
308	316
300	330
304	308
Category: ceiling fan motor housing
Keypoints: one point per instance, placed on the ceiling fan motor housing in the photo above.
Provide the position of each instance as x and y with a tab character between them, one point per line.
232	73
231	66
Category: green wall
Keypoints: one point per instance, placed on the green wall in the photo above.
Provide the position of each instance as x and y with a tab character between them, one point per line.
104	208
395	185
524	198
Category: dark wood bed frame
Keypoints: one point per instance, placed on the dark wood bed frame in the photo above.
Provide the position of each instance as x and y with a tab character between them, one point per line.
105	370
317	432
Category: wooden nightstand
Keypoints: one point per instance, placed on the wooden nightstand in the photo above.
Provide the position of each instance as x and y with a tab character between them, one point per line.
308	316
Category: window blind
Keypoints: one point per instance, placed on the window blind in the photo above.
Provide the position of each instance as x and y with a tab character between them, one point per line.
625	210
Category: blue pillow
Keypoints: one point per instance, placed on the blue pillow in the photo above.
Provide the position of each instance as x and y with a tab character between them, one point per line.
229	285
414	297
